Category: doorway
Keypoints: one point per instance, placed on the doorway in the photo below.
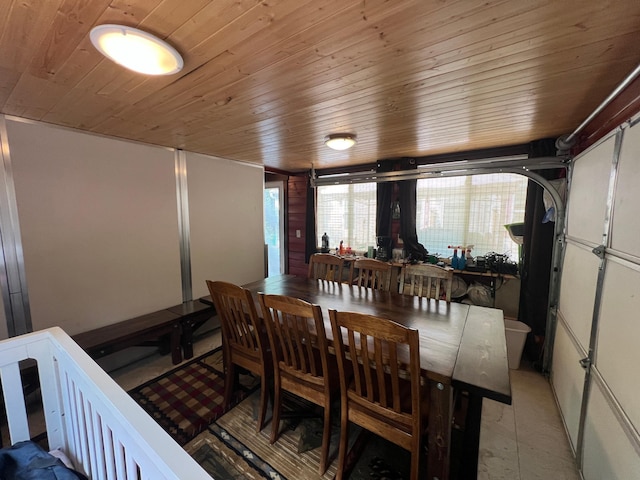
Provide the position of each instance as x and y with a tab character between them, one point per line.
274	226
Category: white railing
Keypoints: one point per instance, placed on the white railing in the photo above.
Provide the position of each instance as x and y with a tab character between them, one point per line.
99	427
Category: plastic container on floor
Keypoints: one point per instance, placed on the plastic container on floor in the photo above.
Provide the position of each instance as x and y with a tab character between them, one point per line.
516	333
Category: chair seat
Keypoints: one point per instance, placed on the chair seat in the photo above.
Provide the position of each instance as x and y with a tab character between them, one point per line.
402	420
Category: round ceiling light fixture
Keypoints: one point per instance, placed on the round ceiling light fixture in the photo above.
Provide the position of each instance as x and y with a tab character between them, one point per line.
136	50
340	141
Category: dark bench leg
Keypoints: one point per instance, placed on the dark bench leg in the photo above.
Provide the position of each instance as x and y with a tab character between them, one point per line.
176	350
187	339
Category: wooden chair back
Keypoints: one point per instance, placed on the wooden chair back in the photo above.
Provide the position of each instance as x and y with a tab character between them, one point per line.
428	281
372	273
244	340
300	356
384	393
325	266
238	317
296	331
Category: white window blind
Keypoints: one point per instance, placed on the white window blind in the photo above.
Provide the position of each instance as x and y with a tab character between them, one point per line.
347	213
470	210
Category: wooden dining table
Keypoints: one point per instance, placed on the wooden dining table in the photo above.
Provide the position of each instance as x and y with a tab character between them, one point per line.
462	349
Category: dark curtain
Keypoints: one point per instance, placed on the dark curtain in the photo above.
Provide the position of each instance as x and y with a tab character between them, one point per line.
384	194
310	237
537	255
414	250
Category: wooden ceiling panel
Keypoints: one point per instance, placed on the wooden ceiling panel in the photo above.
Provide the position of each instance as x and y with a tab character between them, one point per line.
265	80
26	23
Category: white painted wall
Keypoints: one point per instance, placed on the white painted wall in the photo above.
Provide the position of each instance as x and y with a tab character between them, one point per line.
225	211
99	224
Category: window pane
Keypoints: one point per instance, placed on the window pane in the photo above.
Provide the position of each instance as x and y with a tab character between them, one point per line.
347	213
470	210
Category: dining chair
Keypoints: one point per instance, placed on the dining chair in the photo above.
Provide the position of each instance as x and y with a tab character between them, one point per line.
300	358
325	266
373	273
428	281
244	340
383	394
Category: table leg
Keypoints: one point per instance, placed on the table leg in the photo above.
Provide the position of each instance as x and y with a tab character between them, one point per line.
471	443
439	439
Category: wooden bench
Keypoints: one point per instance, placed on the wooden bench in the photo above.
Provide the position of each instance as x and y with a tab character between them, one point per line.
192	315
176	324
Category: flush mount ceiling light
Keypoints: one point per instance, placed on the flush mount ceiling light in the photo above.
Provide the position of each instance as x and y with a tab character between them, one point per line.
136	50
340	141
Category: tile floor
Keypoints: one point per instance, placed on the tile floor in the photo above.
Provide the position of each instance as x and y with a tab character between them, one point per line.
522	441
525	440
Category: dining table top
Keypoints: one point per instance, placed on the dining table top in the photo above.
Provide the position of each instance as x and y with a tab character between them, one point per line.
462	345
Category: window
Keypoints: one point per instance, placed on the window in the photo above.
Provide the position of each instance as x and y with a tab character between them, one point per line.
470	210
347	213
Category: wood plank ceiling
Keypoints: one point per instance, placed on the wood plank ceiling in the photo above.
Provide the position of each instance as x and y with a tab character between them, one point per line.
266	80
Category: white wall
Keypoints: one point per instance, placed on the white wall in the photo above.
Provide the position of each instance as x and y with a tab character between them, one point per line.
598	309
99	224
225	211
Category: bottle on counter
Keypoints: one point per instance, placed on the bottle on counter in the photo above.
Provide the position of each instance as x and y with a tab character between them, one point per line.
462	261
454	260
325	242
341	247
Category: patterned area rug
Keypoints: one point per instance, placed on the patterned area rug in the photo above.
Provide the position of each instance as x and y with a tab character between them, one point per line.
231	449
185	400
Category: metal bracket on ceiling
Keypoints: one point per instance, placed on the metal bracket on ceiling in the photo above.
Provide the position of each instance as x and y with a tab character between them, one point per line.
564	144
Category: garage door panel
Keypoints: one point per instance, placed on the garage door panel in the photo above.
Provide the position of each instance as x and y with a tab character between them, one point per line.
589	191
608	451
626	221
567	378
618	353
578	290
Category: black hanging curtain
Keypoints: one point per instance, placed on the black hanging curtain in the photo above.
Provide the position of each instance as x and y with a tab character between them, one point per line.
384	200
407	201
537	256
407	197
